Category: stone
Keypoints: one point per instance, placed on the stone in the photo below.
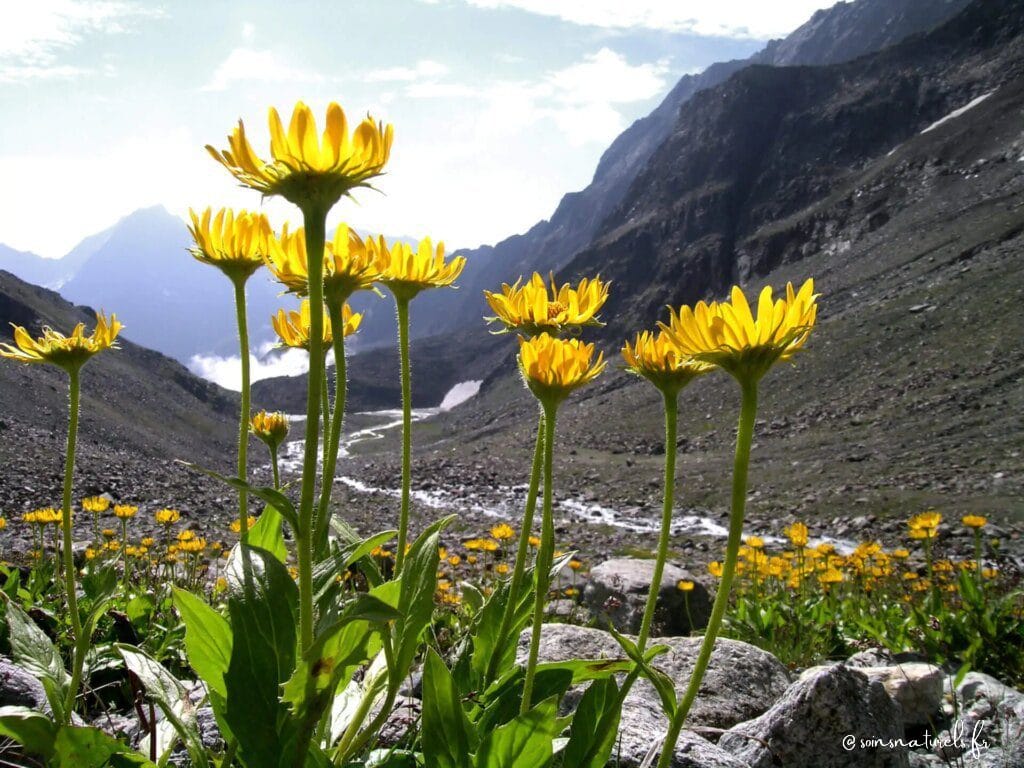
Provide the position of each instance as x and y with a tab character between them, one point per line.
404	717
989	729
18	688
741	682
616	592
872	657
833	718
915	687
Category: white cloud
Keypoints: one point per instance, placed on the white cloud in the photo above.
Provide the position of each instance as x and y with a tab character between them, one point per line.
259	66
727	18
424	69
34	34
227	371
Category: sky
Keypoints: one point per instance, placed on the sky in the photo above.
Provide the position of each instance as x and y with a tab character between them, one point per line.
499	106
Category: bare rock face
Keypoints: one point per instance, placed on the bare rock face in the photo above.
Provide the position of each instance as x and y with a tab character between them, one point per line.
916	688
616	593
833	718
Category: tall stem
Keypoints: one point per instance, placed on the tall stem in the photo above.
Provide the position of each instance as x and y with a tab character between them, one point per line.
671	419
403	351
276	469
243	421
748	412
325	406
70	588
545	555
518	570
315	220
323	516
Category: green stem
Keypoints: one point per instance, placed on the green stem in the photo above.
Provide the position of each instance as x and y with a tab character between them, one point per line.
70	588
744	437
403	351
276	470
322	527
325	406
519	569
545	555
124	553
671	398
243	421
315	220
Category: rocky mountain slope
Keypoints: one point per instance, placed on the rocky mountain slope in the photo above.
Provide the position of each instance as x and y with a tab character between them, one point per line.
140	411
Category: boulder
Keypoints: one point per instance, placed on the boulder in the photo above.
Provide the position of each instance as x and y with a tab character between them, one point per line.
833	718
915	687
616	593
20	689
988	729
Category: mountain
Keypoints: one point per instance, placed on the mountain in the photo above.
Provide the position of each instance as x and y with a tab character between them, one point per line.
140	410
841	33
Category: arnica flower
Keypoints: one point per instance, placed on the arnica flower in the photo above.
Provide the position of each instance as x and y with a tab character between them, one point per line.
974	521
754	542
685	585
96	504
303	168
236	525
797	534
167	517
235	243
125	511
271	428
575	564
727	335
552	368
660	361
68	352
831	576
502	531
533	309
406	271
349	265
292	327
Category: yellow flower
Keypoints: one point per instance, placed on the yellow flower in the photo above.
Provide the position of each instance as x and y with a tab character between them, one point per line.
44	516
235	243
90	553
442	553
3	523
909	576
575	564
552	367
489	545
533	309
754	542
471	559
797	534
167	517
534	541
293	327
349	264
659	360
727	335
148	541
125	511
685	585
502	531
826	548
96	504
108	533
193	545
405	271
929	519
68	352
989	573
304	169
974	521
831	576
715	569
271	428
501	568
186	536
454	561
236	525
900	554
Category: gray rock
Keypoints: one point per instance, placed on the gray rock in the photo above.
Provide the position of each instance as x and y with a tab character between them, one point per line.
20	689
814	723
740	683
988	731
915	687
403	717
872	657
617	590
637	738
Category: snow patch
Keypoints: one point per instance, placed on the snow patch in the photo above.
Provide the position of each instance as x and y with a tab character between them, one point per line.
460	393
957	112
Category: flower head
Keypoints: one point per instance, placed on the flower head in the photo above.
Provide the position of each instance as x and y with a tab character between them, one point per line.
349	264
685	585
167	517
406	271
533	308
235	243
502	531
68	352
96	504
125	511
271	428
293	327
552	368
797	534
303	168
974	521
659	360
727	335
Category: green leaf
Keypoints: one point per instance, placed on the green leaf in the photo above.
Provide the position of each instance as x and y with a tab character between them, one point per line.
99	583
524	741
595	726
207	640
92	748
263	607
33	730
267	534
170	695
504	698
340	560
32	650
447	736
662	683
140	608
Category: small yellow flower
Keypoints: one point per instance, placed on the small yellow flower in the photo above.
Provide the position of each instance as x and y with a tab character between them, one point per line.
236	525
929	519
271	428
90	553
471	559
186	535
501	569
831	576
349	264
442	553
125	511
570	592
68	352
502	531
96	504
552	368
660	361
405	271
754	542
108	533
454	561
148	541
900	554
797	534
989	573
685	585
167	517
220	585
303	168
3	522
910	576
727	335
489	545
575	564
715	569
974	521
826	548
293	327
534	541
533	309
235	243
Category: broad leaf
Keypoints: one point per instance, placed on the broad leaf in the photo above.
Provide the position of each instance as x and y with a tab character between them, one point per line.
32	650
33	730
207	640
92	748
595	726
524	741
267	534
447	736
